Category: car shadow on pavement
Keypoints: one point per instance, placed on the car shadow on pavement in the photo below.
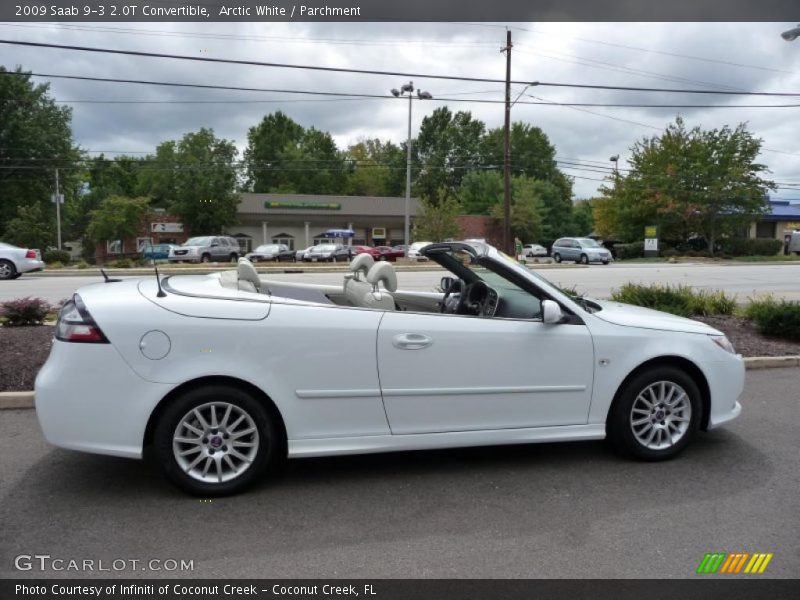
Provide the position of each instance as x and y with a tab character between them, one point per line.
77	503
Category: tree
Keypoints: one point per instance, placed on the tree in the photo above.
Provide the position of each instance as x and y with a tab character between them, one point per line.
692	183
35	138
30	228
583	217
480	191
436	221
196	179
116	218
266	143
376	168
447	147
526	209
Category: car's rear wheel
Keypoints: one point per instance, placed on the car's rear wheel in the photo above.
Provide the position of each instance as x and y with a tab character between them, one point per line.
7	270
234	257
656	414
557	257
205	258
215	440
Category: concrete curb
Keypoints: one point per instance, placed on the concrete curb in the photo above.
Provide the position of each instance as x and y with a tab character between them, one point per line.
9	400
16	400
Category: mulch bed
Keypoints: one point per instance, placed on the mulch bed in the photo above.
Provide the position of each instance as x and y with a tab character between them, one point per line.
26	348
748	341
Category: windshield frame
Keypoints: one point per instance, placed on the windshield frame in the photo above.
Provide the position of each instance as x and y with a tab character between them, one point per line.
192	241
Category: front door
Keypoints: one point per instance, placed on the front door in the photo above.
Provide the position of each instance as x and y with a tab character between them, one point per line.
454	373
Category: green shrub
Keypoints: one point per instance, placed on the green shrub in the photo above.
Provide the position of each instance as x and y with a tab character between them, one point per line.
679	300
121	263
749	246
55	265
777	318
82	265
52	256
627	251
670	252
24	311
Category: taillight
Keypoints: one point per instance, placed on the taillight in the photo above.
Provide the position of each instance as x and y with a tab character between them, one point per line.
75	324
30	254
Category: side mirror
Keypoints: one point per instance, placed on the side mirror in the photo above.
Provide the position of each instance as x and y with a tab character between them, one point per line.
446	283
551	312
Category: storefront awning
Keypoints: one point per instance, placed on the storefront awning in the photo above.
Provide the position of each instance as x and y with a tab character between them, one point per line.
339	233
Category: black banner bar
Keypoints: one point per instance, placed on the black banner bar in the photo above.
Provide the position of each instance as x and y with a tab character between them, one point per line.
732	588
395	10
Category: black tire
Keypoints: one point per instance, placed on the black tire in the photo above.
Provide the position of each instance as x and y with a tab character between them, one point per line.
205	258
254	259
16	275
584	260
620	430
8	270
269	439
557	257
605	262
234	257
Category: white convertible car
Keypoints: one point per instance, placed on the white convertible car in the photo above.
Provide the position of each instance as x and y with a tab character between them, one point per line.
204	369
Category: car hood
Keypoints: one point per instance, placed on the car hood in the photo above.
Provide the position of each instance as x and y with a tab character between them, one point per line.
628	315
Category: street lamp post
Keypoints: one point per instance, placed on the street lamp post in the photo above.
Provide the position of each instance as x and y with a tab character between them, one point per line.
408	88
792	34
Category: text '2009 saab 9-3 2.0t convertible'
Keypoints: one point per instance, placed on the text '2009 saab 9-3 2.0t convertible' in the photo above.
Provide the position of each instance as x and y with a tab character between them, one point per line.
204	369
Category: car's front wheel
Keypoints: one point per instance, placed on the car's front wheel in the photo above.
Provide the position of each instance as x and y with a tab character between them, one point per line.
557	257
215	440
584	260
7	270
655	414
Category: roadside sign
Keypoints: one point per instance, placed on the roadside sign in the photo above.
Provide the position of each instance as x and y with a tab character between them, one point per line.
166	227
57	198
651	245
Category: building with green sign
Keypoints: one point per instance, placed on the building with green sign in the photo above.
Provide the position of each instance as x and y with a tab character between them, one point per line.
300	220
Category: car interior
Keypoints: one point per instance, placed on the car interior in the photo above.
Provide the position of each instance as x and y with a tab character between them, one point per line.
474	289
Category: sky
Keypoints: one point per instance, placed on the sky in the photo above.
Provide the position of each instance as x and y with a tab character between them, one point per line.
716	56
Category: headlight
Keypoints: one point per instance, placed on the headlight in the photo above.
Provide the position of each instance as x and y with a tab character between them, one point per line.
724	343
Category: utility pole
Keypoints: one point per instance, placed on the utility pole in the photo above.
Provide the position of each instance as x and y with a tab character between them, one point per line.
407	209
507	152
57	198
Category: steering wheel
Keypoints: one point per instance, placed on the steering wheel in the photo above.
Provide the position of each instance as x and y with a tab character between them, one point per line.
454	303
475	297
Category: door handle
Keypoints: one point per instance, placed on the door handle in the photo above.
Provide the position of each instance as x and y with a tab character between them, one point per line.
411	341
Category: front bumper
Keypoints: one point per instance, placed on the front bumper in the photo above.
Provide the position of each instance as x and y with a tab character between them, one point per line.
726	383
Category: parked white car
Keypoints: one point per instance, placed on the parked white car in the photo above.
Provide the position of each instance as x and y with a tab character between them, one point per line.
415	251
534	250
15	261
301	253
204	368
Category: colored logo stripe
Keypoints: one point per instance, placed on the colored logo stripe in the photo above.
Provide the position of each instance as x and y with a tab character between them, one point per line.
722	562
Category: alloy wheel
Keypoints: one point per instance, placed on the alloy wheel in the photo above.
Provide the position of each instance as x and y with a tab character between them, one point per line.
215	442
660	415
6	270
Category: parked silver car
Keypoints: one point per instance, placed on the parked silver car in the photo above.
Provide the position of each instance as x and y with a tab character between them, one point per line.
16	261
205	249
580	250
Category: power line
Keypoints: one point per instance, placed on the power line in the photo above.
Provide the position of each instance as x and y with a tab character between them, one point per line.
342	95
209	59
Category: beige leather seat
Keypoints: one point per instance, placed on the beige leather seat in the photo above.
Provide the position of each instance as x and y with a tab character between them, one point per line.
248	279
381	274
355	285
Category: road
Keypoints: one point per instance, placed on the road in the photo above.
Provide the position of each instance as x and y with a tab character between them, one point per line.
744	280
550	510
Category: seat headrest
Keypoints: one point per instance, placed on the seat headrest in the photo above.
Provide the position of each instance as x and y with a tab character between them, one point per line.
362	263
245	271
383	272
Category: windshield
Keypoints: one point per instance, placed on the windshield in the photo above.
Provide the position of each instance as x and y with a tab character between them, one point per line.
588	243
268	248
198	241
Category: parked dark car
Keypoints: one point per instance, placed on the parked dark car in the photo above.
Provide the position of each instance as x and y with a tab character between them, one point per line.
389	253
157	251
329	253
272	252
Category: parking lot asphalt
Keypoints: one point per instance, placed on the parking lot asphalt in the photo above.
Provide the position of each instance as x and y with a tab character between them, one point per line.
744	280
546	510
